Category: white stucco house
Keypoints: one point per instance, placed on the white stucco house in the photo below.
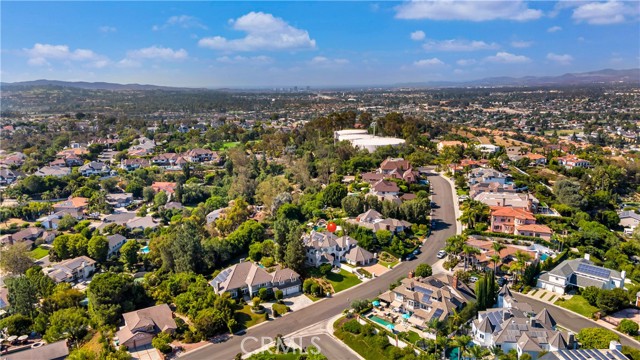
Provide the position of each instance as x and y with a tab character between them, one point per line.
580	273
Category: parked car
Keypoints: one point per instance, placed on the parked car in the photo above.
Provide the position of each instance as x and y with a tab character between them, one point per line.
417	251
410	257
501	281
473	279
441	254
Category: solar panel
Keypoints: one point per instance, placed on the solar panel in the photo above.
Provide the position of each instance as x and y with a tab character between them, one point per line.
594	271
222	276
437	314
426	294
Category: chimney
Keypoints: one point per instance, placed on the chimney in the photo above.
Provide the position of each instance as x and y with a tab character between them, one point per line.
614	345
623	275
455	282
410	276
587	256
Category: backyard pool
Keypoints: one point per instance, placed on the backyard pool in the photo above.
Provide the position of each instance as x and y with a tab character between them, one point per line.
380	321
145	250
543	257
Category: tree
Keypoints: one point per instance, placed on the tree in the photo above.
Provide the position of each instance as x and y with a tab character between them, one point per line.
160	198
481	294
497	247
295	255
590	293
67	222
98	248
210	322
148	194
474	212
610	301
353	205
596	338
16	324
461	342
384	237
69	246
333	194
111	294
72	324
129	253
162	342
15	259
423	270
568	193
629	327
22	295
468	251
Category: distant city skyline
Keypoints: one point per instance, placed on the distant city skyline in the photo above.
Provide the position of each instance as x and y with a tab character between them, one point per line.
265	44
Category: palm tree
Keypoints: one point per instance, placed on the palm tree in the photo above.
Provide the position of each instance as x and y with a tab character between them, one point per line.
461	342
497	247
520	263
474	212
468	251
496	352
477	352
443	342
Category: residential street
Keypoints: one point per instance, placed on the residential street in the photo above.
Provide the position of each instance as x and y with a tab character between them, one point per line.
444	227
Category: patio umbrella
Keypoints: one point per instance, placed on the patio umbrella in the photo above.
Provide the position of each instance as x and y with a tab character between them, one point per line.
23	337
390	326
375	303
12	338
406	316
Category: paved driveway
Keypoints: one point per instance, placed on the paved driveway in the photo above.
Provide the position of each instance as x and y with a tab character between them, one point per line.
297	302
146	352
376	269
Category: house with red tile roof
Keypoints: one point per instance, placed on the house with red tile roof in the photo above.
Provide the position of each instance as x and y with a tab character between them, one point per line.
507	219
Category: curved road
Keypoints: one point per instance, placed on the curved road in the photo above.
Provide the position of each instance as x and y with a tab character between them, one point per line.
444	227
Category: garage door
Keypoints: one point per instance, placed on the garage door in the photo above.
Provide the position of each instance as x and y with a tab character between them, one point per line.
291	290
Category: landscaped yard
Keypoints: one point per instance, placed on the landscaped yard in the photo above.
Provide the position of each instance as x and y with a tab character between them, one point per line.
342	280
413	336
246	318
387	260
579	305
39	252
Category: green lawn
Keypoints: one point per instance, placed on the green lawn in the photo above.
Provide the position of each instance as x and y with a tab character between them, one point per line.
361	346
312	298
229	145
412	337
39	252
461	192
246	318
343	280
579	305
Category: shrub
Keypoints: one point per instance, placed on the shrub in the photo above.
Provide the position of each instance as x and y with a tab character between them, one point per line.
590	293
267	261
279	309
263	294
352	326
161	342
423	270
278	295
256	302
359	305
325	269
628	327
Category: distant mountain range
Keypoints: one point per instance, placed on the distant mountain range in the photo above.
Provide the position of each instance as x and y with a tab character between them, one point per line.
606	76
90	85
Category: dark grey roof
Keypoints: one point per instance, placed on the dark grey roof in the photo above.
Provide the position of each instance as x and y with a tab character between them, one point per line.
53	351
584	354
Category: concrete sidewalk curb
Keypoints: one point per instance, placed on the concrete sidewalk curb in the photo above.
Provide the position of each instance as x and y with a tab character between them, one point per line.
584	317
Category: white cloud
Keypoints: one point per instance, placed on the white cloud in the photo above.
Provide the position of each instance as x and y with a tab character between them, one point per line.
325	61
521	44
107	29
564	59
603	13
158	53
507	58
261	59
554	29
263	32
41	54
458	45
428	62
129	63
466	62
183	21
467	10
418	35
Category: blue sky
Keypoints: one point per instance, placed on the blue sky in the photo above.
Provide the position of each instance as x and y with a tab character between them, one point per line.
245	44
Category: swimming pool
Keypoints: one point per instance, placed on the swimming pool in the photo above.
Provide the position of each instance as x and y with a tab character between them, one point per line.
543	257
145	250
380	321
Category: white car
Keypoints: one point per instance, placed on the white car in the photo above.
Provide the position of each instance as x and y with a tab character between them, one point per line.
473	279
441	254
